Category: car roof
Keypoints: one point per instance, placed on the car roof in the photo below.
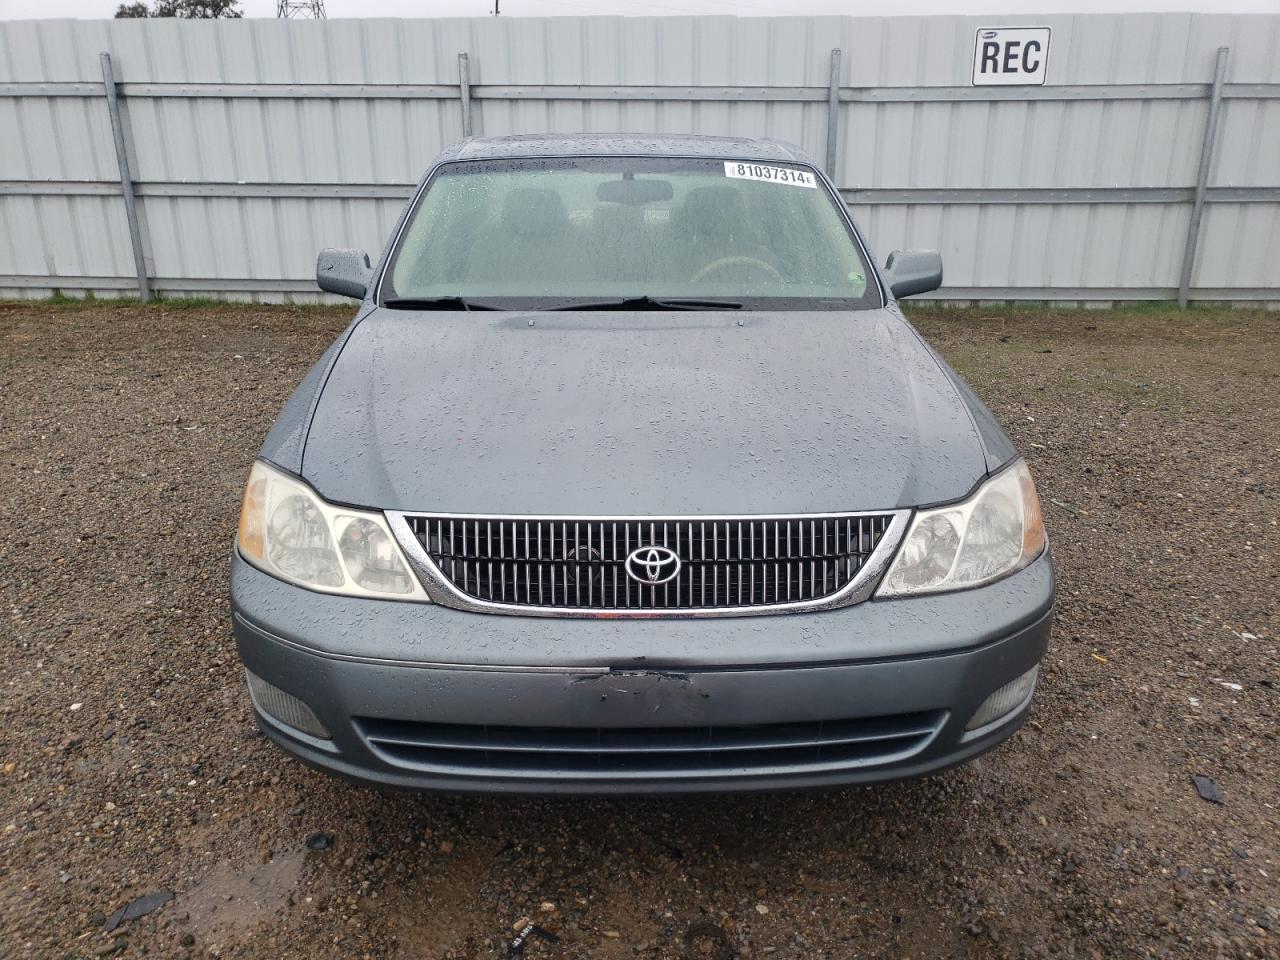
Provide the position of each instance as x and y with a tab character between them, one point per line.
622	145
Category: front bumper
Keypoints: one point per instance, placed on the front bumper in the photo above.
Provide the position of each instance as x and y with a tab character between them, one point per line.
426	697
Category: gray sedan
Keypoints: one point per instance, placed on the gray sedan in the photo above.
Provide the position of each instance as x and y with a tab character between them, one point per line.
630	476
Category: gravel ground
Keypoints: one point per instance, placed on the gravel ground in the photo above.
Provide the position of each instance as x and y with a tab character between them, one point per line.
129	763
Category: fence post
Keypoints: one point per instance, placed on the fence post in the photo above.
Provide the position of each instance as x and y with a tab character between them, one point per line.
833	112
464	83
1207	150
126	178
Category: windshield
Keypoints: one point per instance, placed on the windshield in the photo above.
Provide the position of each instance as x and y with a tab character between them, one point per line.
541	233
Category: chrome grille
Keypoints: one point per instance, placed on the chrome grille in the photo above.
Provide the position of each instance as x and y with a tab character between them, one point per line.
580	564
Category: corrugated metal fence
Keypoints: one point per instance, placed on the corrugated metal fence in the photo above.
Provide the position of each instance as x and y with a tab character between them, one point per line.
253	143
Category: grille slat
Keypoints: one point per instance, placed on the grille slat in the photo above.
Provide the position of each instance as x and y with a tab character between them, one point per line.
582	564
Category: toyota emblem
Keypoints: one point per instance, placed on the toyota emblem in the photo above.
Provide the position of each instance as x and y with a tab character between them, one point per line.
652	565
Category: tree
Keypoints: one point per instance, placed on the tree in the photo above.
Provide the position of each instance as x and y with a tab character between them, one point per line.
186	9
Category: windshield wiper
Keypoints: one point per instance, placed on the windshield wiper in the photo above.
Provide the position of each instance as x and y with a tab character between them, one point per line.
649	303
436	303
625	303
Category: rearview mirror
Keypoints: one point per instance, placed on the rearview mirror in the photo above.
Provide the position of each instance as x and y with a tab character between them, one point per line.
913	271
344	272
634	193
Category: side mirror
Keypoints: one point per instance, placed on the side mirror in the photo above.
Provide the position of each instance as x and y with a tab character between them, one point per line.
344	272
913	271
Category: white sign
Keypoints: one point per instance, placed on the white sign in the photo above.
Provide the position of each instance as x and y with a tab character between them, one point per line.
1010	56
744	170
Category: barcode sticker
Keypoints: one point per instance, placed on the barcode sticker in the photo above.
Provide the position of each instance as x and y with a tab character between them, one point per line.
760	171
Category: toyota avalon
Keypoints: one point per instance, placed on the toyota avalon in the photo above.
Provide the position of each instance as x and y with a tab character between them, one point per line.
629	475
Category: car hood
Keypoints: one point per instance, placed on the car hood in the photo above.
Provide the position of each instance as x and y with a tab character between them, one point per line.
647	413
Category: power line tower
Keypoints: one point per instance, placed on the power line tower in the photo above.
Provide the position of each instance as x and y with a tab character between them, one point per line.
306	9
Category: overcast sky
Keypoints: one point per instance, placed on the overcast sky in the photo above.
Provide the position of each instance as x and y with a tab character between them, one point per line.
22	9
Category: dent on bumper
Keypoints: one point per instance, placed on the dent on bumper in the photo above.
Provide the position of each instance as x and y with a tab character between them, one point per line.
366	667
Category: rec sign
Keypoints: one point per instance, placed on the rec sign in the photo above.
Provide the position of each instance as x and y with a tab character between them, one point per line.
1010	56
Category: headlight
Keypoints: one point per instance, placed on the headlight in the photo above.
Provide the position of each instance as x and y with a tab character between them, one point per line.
290	533
994	533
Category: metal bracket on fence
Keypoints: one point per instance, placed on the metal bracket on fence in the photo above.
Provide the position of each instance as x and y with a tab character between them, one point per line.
464	84
833	112
1207	150
126	178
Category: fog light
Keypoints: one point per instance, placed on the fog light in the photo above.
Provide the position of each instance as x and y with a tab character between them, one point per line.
1006	699
285	707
